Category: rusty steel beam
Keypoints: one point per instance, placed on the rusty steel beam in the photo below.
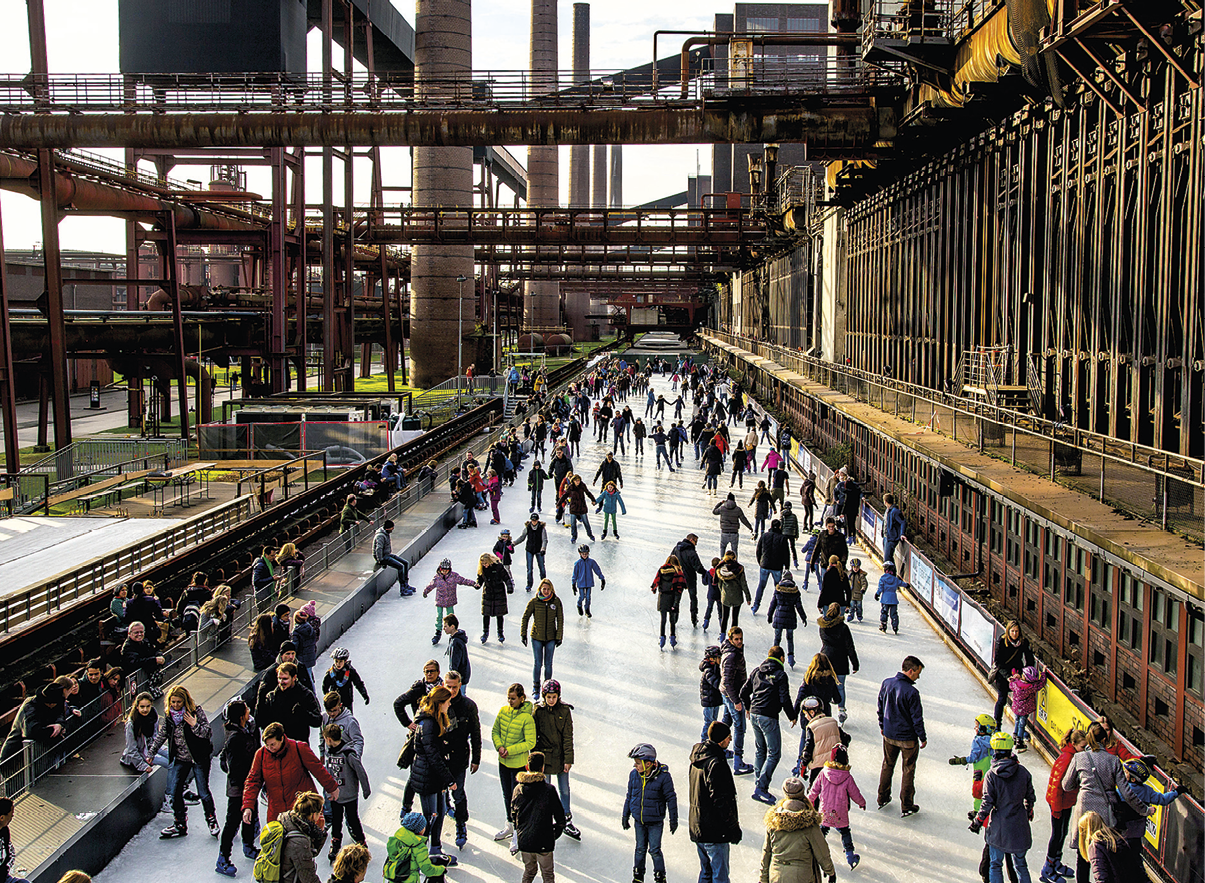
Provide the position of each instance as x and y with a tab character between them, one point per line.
8	398
833	132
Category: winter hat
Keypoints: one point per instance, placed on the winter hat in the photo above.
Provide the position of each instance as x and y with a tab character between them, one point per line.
1030	674
786	504
794	795
718	731
839	755
732	496
414	822
712	652
445	563
787	579
310	608
287	646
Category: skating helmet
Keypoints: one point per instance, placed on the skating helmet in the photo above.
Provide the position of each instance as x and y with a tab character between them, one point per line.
812	704
1138	769
340	653
855	562
1002	741
551	686
445	564
584	549
712	652
643	751
985	722
1030	673
505	532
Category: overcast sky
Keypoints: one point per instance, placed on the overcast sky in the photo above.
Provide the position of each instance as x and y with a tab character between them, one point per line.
83	38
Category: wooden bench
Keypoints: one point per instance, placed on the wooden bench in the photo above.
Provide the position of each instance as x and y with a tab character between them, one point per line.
90	489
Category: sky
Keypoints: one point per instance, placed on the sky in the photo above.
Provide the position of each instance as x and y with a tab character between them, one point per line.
82	37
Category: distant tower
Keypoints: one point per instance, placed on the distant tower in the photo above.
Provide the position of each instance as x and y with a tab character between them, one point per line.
579	154
617	176
542	300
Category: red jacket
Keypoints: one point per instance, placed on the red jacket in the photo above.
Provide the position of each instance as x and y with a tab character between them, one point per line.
1060	801
284	776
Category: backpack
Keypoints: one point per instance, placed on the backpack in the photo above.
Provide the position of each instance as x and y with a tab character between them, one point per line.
397	867
271	844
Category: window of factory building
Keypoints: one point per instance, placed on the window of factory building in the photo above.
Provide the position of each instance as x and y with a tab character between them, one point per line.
1164	641
1195	665
808	24
763	25
1129	612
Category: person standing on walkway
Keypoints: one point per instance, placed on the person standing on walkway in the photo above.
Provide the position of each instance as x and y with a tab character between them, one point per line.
238	753
660	438
790	530
513	735
547	617
710	696
688	556
1008	802
902	725
649	799
444	585
734	589
282	769
807	498
773	556
893	527
539	820
834	587
668	584
765	695
713	462
857	589
609	471
733	674
714	822
559	467
582	580
554	739
732	517
535	544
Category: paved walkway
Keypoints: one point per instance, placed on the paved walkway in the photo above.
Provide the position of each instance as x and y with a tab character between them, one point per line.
625	690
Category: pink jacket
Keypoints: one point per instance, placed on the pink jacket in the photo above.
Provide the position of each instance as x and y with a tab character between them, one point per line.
445	588
1025	694
771	462
836	788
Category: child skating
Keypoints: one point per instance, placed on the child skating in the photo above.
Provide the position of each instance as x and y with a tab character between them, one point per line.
608	502
979	757
782	613
857	589
649	799
1025	688
444	585
832	792
888	595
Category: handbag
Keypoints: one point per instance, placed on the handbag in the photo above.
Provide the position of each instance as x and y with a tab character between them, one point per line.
406	757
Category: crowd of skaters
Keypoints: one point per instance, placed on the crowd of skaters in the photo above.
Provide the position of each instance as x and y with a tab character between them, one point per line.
267	747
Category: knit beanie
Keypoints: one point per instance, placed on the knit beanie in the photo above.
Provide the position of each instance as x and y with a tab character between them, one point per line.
287	646
795	788
840	755
414	822
310	608
718	731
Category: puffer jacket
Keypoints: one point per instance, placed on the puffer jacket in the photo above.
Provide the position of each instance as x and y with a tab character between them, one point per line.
284	776
835	788
688	557
305	636
302	841
709	684
713	812
547	617
516	729
651	797
773	550
538	814
822	735
495	585
554	735
834	589
669	583
794	849
733	673
429	773
784	606
790	523
1060	801
889	587
1025	694
407	857
445	587
837	643
575	495
732	516
611	502
733	587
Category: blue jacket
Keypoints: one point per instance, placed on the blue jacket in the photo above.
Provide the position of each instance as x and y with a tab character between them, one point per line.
893	524
305	636
609	502
889	584
650	796
583	573
900	714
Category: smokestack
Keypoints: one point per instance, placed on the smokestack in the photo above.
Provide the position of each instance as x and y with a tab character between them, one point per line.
579	154
598	199
542	300
617	176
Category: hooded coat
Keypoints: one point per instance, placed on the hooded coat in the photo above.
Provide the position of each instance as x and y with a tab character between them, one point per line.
539	816
733	586
794	850
302	841
554	735
458	656
733	672
688	557
670	583
407	857
767	692
835	789
713	813
1008	798
784	606
429	772
834	589
495	585
651	797
709	684
837	643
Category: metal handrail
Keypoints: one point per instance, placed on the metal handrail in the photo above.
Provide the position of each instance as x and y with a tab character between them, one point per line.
262	477
1165	464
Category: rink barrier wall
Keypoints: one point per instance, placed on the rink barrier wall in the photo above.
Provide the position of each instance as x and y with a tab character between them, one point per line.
97	843
1174	835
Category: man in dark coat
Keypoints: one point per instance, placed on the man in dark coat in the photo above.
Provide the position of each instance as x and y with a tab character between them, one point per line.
539	819
773	555
560	466
535	543
902	723
767	693
609	470
688	557
463	741
291	705
714	824
830	542
851	505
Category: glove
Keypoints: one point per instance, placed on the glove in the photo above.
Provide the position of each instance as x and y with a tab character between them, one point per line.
1029	812
524	640
770	618
626	823
558	643
975	827
574	589
673	827
366	700
958	761
602	584
832	878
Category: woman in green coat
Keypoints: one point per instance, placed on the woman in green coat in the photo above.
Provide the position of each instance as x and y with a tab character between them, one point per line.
795	850
514	736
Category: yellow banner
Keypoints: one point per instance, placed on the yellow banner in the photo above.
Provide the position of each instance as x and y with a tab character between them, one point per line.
1056	713
1154	823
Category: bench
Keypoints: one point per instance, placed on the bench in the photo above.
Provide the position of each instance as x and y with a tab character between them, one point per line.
91	489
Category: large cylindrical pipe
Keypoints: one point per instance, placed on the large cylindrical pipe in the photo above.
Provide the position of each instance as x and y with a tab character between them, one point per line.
443	176
598	195
579	154
542	300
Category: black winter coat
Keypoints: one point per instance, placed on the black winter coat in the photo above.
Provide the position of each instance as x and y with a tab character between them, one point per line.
824	689
688	557
773	550
827	545
495	585
767	691
429	773
462	739
713	815
458	656
238	752
733	673
713	460
837	643
834	589
709	685
296	709
539	816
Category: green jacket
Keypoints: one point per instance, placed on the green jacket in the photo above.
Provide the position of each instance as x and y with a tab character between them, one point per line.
407	857
547	619
516	729
349	516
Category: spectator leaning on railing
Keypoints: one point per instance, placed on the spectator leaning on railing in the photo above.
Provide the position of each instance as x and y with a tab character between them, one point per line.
139	654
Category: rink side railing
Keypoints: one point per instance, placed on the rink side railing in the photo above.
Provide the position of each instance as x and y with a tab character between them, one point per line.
1175	832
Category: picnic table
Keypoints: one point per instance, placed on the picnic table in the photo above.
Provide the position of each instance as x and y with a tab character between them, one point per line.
181	482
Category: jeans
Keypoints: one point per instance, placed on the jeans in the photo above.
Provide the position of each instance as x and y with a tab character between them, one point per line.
583	597
738	727
584	518
435	810
562	787
355	830
847	837
761	583
996	869
648	841
639	446
180	771
1019	729
713	862
889	549
401	565
790	640
767	738
710	713
729	539
892	749
537	498
672	616
470	517
759	524
711	482
841	689
855	609
661	452
891	611
542	651
539	558
506	775
460	800
613	518
618	445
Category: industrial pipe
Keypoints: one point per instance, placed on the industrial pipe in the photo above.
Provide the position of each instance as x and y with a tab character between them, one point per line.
762	40
833	132
19	175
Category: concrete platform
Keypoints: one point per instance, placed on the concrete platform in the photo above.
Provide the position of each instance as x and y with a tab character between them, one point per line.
625	690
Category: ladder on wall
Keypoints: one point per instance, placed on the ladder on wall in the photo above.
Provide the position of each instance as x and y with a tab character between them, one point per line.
985	373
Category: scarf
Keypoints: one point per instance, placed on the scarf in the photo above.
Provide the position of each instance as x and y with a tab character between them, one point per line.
177	716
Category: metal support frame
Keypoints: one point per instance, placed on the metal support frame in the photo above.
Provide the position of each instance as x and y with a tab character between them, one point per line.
172	275
8	398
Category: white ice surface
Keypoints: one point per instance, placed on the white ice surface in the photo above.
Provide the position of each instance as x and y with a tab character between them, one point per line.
625	690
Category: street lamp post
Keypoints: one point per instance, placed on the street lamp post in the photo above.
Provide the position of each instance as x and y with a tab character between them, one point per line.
460	339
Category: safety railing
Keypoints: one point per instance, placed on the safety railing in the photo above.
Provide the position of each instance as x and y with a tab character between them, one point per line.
92	454
97	576
265	482
911	22
806	71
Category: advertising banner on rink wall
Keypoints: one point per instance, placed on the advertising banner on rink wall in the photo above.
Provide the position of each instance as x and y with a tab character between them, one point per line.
978	631
920	574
